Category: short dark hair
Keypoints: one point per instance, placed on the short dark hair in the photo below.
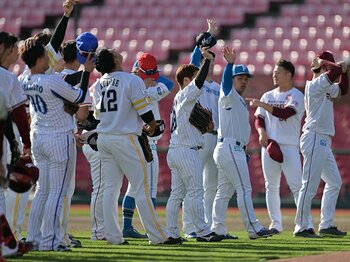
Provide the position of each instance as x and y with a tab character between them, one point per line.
30	56
186	70
14	39
286	65
104	60
5	38
69	51
43	37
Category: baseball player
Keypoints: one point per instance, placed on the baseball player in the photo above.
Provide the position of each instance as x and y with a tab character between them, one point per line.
13	133
278	117
315	143
146	68
208	99
97	177
69	53
53	143
16	100
16	203
122	103
230	155
183	155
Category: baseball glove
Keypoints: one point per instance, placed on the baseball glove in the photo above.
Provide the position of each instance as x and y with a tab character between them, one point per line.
159	128
70	108
201	118
143	140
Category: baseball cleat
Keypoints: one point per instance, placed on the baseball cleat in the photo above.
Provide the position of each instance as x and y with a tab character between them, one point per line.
173	241
132	233
307	233
191	235
212	237
62	248
263	233
275	231
228	236
331	232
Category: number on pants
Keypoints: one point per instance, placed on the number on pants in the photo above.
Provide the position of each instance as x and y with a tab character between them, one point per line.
38	104
111	101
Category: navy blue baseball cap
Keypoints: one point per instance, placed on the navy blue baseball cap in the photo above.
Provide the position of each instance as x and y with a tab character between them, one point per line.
86	43
241	70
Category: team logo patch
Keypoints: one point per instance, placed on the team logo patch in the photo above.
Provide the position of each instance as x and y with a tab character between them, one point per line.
159	91
323	142
237	148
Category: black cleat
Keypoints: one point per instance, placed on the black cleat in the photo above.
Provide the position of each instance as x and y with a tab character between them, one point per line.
173	241
307	233
212	237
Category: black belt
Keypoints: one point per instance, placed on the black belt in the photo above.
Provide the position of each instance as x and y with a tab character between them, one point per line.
213	132
196	148
221	139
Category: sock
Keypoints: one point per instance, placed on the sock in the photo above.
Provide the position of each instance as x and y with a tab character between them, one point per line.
154	202
128	207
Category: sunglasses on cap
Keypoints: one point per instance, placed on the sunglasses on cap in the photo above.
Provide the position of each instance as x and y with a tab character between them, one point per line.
149	71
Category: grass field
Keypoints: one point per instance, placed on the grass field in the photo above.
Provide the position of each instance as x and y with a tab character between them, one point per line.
243	249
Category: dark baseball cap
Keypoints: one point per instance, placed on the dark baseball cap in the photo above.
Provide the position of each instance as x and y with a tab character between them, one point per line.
241	70
86	43
205	39
148	67
327	55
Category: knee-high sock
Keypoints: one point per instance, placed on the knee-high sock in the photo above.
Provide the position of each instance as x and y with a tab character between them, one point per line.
128	207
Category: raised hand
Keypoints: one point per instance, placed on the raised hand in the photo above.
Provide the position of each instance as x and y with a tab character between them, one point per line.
229	54
206	54
68	6
89	64
212	27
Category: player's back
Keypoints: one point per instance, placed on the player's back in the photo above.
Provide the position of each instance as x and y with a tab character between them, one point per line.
45	93
120	99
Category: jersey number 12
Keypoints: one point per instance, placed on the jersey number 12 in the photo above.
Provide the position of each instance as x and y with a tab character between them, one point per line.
109	101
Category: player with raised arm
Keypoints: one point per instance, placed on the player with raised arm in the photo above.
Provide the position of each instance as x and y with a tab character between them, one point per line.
230	155
315	143
183	155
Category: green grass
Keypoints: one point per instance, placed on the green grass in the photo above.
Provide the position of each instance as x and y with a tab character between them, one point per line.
281	246
243	249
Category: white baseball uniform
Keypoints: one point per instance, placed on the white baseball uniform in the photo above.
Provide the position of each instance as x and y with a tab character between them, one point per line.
14	98
120	98
16	203
185	164
230	157
286	133
53	145
97	177
208	99
71	187
319	162
155	93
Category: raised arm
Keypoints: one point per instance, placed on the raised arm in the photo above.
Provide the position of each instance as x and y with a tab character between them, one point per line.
227	81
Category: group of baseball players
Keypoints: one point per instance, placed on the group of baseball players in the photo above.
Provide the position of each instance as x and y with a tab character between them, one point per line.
111	119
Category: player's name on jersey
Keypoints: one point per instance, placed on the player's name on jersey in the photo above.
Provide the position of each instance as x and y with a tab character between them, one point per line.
108	82
32	87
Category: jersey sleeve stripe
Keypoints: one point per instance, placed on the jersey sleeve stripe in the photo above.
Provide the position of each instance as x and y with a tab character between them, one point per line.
138	101
141	106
